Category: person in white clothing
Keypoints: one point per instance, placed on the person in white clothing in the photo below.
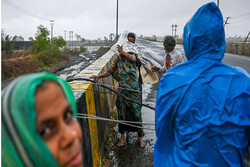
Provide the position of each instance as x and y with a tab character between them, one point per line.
173	57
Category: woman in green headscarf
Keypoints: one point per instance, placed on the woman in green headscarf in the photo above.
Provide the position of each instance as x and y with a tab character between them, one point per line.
39	125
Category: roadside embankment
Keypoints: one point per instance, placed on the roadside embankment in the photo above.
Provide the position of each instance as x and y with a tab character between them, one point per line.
93	100
18	66
21	62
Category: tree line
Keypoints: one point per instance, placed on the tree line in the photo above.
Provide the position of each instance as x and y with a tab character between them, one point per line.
47	51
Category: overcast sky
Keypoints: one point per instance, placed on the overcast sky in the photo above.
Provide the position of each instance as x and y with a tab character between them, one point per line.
94	19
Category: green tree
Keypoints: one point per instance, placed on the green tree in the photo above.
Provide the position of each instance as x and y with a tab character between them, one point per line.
41	41
31	39
47	53
59	42
50	56
18	38
83	49
83	40
7	42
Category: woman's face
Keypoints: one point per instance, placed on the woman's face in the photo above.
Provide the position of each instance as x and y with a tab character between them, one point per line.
130	39
57	126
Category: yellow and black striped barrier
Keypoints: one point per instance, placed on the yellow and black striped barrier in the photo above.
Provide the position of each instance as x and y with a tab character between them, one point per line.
91	101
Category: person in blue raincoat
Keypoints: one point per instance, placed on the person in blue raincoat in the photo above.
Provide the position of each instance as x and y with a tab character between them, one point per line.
203	106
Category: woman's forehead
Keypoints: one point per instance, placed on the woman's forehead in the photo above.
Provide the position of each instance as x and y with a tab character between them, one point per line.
50	100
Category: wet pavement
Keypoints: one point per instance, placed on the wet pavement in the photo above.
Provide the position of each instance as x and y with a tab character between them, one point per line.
131	154
237	61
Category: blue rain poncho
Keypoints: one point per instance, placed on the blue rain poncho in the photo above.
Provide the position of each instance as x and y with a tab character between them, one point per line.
203	106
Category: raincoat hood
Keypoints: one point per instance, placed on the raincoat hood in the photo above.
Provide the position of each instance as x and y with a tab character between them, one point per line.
204	35
202	107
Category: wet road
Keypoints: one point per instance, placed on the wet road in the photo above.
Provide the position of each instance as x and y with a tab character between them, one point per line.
131	155
237	60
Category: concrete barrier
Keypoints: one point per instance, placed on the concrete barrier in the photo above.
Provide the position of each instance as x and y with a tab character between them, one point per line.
94	100
238	48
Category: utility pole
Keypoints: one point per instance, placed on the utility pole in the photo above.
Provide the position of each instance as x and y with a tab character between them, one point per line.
246	37
65	33
175	26
51	29
71	38
172	29
117	20
226	21
218	2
